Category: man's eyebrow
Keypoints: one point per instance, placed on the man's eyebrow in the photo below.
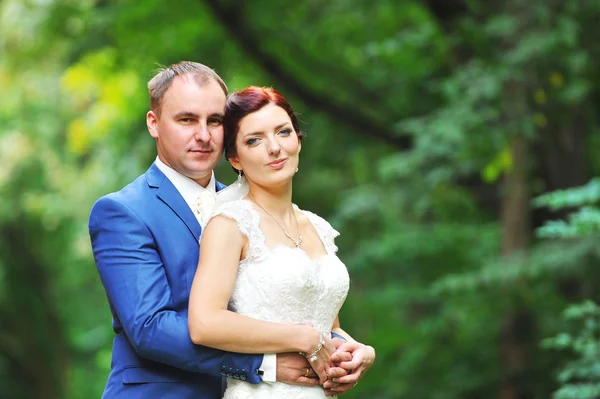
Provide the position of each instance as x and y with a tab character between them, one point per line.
276	128
185	114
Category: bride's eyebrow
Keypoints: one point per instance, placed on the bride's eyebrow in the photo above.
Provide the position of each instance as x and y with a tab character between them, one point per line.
261	132
251	134
282	125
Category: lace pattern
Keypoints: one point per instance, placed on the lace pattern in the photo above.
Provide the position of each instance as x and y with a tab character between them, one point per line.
284	285
248	221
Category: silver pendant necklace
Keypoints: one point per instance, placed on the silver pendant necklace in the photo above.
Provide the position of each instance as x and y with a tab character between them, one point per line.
296	242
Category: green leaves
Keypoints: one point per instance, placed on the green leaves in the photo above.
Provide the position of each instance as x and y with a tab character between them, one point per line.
580	378
584	221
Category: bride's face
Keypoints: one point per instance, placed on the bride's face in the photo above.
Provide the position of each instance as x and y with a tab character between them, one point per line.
267	147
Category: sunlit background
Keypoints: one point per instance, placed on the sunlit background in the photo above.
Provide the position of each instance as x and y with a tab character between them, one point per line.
435	132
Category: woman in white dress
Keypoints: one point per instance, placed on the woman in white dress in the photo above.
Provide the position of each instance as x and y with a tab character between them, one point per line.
269	279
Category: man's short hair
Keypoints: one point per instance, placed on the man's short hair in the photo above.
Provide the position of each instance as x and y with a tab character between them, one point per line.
160	83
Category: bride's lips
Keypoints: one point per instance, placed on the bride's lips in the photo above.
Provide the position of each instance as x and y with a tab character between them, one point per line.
278	163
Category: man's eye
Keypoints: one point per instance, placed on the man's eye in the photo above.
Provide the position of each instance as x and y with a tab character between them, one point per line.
215	122
185	120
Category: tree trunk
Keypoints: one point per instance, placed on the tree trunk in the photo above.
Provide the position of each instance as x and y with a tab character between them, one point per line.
33	341
515	217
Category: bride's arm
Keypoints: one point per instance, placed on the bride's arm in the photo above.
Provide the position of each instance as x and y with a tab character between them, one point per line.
212	324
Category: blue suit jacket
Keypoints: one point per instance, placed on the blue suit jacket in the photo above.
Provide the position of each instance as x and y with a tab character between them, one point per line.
145	242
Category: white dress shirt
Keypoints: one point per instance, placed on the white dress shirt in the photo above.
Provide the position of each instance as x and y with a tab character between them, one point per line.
201	201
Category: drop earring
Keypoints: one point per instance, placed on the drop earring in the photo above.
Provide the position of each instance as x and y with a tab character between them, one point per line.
296	170
239	179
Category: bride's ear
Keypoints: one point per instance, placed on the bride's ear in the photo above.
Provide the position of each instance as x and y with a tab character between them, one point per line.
235	163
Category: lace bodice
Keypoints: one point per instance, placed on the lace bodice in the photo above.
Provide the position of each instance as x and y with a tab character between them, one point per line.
284	285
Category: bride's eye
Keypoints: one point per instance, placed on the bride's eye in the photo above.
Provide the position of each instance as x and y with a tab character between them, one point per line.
285	132
252	141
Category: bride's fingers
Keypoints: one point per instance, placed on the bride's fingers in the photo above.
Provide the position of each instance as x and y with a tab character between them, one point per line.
350	378
322	360
351	365
348	347
336	372
322	374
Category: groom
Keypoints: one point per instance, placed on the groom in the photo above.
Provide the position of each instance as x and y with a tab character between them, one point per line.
145	243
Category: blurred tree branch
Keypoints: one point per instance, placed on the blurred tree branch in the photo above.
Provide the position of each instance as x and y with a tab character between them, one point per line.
355	118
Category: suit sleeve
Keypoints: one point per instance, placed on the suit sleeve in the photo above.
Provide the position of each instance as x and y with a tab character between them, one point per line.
138	290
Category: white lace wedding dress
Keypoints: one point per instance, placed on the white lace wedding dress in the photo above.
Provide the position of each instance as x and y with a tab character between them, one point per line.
284	285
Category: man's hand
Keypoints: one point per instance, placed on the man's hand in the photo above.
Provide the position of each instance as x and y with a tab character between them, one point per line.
293	368
362	359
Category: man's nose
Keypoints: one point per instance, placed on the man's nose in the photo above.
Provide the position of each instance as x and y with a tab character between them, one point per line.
202	134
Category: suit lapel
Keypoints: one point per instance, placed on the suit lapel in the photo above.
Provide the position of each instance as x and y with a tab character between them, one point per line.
219	186
166	192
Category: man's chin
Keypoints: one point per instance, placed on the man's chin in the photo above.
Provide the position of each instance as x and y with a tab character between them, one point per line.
200	171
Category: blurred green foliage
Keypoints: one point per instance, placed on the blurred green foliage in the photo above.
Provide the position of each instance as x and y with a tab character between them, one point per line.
579	378
430	126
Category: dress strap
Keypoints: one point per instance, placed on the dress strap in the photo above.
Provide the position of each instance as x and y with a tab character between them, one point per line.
324	229
248	221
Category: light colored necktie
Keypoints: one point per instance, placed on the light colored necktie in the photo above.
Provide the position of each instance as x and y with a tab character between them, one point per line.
203	207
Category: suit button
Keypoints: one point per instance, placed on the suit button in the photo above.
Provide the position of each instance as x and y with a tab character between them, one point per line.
243	377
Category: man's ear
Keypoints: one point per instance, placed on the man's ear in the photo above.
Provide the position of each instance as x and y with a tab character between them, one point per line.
152	123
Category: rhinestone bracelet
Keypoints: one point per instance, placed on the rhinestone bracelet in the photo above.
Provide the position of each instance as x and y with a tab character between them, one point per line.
313	356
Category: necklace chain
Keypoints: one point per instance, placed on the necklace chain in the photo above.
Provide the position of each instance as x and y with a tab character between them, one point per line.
296	242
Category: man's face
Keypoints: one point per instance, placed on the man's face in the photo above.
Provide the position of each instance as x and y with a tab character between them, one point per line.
189	131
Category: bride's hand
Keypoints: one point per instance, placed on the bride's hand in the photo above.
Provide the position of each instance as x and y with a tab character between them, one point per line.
363	357
320	357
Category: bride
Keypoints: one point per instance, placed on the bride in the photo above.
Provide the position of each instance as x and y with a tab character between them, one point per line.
269	279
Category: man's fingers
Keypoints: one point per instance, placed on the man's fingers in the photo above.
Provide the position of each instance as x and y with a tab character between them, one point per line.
339	389
308	381
338	357
330	384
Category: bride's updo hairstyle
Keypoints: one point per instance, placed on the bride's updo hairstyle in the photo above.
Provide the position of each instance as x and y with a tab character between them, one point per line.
244	102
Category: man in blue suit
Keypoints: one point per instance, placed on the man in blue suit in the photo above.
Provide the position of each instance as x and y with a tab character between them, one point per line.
145	240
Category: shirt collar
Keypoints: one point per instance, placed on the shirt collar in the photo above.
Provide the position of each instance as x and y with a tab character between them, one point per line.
188	188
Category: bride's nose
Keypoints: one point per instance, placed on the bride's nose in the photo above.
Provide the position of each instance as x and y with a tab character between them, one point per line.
273	146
